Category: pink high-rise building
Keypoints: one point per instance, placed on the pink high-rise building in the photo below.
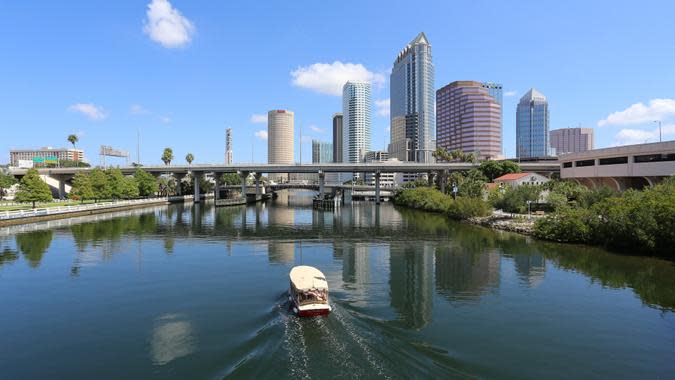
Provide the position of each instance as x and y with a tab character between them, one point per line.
468	119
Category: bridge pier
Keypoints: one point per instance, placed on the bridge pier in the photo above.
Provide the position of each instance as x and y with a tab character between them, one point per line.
322	183
243	175
62	187
179	181
196	177
257	185
216	188
377	187
442	180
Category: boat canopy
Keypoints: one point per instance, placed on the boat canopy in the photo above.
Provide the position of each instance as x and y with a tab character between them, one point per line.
305	278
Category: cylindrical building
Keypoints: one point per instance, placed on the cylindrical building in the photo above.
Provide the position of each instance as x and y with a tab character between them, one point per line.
280	141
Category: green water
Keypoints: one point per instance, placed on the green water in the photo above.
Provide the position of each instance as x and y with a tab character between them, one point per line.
195	292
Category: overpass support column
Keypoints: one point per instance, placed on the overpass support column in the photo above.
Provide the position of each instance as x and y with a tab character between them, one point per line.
442	180
62	187
322	183
430	178
216	188
179	181
196	177
257	185
377	187
243	176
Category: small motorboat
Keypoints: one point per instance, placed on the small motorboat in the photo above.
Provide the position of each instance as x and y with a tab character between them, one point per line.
308	292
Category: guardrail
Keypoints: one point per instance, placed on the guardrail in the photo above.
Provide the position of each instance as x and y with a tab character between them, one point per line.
8	215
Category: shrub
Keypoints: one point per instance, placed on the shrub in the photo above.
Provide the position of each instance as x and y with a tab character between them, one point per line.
515	198
465	207
566	225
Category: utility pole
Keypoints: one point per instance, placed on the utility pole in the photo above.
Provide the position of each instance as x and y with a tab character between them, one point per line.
659	121
138	146
300	124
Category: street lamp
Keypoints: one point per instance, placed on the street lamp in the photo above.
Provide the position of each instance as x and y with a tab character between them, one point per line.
659	121
529	215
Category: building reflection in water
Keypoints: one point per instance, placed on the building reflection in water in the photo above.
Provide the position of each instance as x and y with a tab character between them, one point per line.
280	214
466	275
355	263
172	338
411	282
281	252
530	268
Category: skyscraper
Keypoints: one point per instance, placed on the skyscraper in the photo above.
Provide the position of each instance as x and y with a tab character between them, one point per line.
495	90
356	110
532	123
412	102
280	140
322	152
468	119
571	140
228	146
337	137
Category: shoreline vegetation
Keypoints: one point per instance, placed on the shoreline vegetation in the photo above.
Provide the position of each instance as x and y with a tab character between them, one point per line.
639	222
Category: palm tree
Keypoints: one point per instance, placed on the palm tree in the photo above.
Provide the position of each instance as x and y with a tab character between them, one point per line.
73	139
167	156
189	158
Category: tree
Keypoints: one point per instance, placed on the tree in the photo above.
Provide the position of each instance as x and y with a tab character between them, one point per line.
167	156
73	139
99	184
230	179
129	188
495	169
167	185
6	181
81	187
147	184
115	182
189	158
33	189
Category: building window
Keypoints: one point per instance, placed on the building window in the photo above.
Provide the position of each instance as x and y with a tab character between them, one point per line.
585	163
567	164
655	158
614	161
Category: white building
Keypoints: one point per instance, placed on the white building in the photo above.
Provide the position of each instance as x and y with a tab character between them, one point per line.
356	124
517	179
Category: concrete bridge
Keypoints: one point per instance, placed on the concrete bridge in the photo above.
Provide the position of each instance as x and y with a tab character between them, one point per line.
438	170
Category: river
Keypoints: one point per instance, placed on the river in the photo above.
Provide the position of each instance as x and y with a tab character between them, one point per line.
198	292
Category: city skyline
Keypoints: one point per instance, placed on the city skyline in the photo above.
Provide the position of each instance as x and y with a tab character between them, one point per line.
171	86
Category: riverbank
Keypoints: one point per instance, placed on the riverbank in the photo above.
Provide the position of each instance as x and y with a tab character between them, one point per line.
41	215
501	221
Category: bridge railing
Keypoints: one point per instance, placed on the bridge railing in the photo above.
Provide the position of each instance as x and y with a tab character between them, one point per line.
17	214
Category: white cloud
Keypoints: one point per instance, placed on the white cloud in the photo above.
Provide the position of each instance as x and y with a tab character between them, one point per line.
316	129
328	78
165	119
261	134
510	93
382	106
92	111
639	113
629	136
138	109
258	118
166	25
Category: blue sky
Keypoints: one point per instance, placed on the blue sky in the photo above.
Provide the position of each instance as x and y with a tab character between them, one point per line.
180	72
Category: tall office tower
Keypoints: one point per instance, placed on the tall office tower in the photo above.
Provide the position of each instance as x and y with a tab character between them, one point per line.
495	90
532	123
337	137
228	146
322	152
412	102
356	110
469	119
571	140
280	140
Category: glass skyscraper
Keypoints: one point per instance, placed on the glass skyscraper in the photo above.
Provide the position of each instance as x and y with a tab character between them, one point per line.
532	126
413	102
356	111
322	152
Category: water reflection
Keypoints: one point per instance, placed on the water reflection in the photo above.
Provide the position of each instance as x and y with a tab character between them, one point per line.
530	268
172	338
466	275
8	256
33	245
411	282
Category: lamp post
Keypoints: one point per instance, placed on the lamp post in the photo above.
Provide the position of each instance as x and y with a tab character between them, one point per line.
659	121
529	215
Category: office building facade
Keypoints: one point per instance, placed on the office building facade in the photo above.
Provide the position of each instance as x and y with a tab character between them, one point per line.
468	118
280	139
532	126
228	146
413	102
356	123
322	152
337	137
572	140
46	156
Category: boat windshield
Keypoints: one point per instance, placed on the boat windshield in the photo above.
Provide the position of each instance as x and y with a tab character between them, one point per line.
313	296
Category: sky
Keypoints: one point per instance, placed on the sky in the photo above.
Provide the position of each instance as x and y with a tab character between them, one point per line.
178	73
